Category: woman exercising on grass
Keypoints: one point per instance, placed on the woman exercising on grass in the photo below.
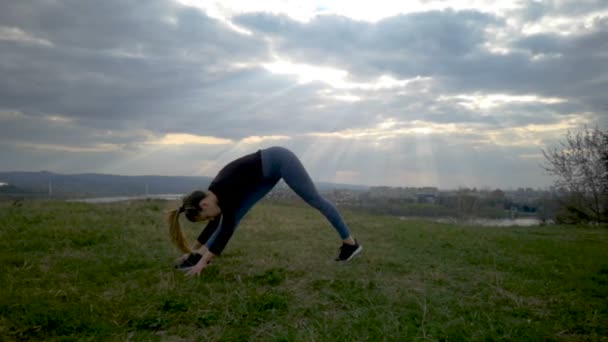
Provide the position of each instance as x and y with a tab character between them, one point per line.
237	187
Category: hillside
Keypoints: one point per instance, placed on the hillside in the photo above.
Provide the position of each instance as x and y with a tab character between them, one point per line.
76	271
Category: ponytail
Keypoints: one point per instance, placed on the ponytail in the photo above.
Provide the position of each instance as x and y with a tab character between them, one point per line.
190	205
177	234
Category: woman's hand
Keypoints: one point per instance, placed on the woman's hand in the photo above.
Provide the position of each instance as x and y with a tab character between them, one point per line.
196	269
200	265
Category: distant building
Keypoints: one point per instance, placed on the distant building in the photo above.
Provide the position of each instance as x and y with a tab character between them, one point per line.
344	196
426	198
386	192
497	194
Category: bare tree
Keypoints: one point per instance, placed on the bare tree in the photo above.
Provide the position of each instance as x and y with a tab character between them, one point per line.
580	167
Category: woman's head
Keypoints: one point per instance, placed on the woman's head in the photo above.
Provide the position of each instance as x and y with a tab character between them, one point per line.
191	207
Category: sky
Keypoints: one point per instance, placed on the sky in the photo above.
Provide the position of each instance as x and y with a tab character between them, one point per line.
449	94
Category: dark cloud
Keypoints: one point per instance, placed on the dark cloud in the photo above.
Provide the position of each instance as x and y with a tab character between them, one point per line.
112	61
92	83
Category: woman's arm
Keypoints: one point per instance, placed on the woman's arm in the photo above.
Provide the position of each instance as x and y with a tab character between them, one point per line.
210	228
196	246
208	251
226	229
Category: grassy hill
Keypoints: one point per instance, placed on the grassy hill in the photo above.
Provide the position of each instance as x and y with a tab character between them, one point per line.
76	271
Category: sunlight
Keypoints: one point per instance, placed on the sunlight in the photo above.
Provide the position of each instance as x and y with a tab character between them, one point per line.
485	101
17	35
392	129
216	10
67	148
346	177
479	134
188	139
308	73
388	82
499	38
377	167
565	26
256	139
11	114
58	119
346	98
387	124
337	78
535	134
327	159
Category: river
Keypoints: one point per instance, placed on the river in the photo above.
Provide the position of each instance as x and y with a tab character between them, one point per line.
516	222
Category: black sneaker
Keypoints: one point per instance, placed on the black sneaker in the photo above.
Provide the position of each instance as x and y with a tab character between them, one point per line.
190	261
347	251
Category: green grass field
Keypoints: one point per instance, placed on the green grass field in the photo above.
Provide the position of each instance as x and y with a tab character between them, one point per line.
74	271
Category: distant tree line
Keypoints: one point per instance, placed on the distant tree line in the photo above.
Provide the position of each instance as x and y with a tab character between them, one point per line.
462	204
9	190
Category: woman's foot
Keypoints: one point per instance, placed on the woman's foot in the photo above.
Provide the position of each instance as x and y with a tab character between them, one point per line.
348	252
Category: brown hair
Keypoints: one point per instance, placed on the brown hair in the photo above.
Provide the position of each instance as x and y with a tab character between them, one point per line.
190	206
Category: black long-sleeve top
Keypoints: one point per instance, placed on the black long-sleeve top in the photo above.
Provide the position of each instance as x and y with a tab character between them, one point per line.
232	185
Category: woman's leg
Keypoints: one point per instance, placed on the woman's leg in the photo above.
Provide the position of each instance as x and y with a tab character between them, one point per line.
283	162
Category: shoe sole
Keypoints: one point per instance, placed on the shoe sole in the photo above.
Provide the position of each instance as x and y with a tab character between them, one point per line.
185	269
357	251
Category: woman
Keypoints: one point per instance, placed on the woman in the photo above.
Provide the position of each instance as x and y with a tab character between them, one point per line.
236	188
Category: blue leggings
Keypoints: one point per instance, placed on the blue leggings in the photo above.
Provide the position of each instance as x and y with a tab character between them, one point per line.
277	163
